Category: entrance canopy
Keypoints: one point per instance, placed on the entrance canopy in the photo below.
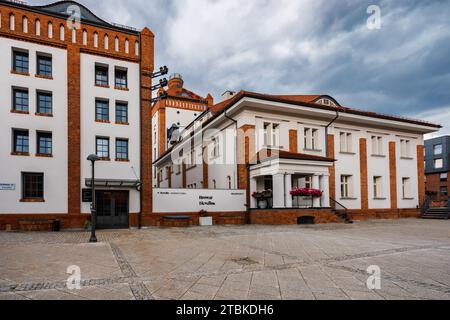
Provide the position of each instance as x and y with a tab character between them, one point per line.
113	183
288	169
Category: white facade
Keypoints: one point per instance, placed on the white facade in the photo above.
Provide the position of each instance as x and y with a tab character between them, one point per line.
54	168
90	129
274	120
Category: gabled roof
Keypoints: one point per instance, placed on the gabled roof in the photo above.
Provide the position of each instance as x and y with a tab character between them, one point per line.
272	154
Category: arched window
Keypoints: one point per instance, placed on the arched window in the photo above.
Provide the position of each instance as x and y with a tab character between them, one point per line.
38	27
106	41
74	36
116	44
95	40
25	24
85	36
50	30
127	46
136	48
61	32
12	22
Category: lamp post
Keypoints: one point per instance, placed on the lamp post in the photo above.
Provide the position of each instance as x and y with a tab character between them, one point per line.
92	158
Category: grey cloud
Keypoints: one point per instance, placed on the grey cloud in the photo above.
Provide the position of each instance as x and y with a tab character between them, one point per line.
293	46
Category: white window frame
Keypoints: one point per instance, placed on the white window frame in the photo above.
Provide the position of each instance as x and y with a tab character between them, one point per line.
346	139
377	146
271	134
346	186
436	161
406	187
378	187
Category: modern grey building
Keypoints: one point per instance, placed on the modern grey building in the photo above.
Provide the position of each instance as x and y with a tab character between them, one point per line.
437	167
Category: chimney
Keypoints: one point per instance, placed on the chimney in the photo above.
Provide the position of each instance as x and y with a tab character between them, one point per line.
228	95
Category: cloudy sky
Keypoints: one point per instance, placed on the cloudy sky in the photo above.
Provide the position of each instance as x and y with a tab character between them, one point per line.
303	47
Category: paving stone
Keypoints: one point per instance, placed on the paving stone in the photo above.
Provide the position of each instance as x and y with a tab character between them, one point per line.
236	262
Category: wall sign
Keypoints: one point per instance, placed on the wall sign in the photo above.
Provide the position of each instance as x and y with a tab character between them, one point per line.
192	200
7	186
87	195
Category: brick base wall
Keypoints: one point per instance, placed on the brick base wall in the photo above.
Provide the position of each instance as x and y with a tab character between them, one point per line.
392	214
290	216
219	218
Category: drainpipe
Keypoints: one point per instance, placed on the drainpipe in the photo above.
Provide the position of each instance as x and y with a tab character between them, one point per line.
326	132
247	218
235	146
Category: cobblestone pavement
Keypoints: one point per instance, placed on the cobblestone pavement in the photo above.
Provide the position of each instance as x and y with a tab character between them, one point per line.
248	262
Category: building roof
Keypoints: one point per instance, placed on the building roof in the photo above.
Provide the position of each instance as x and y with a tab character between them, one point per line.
301	100
65	9
272	154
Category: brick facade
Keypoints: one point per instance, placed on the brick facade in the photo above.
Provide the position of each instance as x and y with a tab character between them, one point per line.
75	47
332	170
363	174
393	173
293	141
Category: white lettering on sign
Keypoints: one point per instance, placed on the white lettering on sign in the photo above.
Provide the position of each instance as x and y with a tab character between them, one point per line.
7	186
193	200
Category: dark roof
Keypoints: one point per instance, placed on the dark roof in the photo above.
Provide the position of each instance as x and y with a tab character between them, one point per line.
63	9
219	108
272	154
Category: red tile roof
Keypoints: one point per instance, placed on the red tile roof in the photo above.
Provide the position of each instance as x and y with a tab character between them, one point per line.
301	101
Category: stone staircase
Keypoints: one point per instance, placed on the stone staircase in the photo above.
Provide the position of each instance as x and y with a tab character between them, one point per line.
436	210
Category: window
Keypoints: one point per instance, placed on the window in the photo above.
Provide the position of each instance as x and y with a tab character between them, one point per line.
377	187
44	65
44	103
50	30
20	61
311	137
437	149
122	149
377	146
406	188
38	27
444	176
121	112
101	110
438	163
346	190
44	143
101	75
443	191
21	143
20	100
191	162
61	32
216	147
121	78
25	25
405	148
271	135
308	182
102	147
32	186
346	142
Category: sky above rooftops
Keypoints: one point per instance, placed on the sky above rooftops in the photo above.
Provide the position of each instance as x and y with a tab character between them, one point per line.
303	47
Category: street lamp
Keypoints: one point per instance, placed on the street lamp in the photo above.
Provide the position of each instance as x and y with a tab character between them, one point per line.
92	158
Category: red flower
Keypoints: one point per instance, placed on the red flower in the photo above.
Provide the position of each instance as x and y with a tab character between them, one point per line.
306	192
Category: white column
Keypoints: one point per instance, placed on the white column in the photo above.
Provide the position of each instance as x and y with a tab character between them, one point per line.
253	188
316	185
325	187
288	184
278	191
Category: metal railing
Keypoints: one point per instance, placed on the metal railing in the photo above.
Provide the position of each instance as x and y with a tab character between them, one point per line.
426	205
340	210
